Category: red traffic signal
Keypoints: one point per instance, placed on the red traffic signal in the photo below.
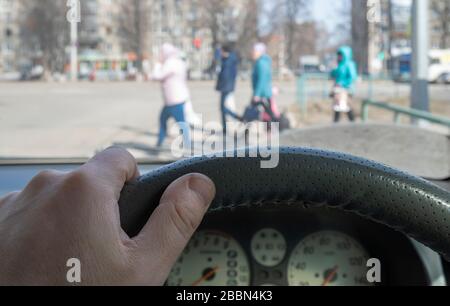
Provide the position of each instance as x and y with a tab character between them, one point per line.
197	43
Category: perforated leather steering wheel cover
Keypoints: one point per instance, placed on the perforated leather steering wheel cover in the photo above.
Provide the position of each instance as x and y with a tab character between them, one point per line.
306	177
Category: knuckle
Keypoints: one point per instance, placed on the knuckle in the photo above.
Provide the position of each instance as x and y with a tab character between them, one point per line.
43	179
125	153
47	175
76	181
121	153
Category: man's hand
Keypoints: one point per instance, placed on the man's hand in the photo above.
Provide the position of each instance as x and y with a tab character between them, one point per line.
60	216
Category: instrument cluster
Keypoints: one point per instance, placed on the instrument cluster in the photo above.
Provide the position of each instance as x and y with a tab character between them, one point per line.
289	248
326	258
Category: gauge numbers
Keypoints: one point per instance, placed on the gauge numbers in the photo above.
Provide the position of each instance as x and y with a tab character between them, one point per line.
268	247
328	258
211	259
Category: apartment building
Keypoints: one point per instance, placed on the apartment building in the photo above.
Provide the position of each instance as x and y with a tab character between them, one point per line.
9	35
162	21
98	29
180	22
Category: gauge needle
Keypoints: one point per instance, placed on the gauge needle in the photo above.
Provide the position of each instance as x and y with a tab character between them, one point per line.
205	277
330	276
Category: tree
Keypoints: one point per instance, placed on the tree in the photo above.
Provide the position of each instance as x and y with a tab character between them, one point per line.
133	22
212	16
44	30
230	21
441	12
250	29
342	33
360	34
289	19
294	9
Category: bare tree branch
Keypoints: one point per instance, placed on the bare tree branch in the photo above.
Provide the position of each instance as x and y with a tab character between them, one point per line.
229	22
45	31
133	20
441	11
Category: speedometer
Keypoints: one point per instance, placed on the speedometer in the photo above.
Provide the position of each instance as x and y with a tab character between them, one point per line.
328	258
211	259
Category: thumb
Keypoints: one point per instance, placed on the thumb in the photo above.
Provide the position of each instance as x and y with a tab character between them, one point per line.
173	223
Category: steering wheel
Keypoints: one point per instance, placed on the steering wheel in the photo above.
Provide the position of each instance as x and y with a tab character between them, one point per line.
306	177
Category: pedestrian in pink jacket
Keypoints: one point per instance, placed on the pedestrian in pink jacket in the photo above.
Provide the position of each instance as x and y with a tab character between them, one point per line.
172	73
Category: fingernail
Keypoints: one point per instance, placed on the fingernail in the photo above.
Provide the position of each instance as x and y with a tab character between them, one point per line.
203	186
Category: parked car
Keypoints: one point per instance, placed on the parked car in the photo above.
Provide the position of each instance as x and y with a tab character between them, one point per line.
10	76
34	73
444	79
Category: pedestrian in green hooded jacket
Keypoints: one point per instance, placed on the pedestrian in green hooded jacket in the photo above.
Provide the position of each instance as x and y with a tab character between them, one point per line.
345	77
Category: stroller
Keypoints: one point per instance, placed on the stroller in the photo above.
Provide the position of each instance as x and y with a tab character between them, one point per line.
266	111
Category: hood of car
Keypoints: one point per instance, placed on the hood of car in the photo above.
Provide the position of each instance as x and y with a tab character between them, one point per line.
418	151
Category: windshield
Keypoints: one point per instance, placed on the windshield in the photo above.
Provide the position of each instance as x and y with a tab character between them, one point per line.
157	77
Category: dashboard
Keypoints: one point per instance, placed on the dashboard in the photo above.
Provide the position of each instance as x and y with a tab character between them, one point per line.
284	245
290	246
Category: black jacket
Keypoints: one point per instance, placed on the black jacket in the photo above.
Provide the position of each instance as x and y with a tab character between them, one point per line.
228	74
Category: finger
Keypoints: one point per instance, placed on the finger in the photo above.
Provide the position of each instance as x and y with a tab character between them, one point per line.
114	167
175	220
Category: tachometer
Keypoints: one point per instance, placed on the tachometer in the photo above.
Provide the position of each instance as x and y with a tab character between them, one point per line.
211	259
328	258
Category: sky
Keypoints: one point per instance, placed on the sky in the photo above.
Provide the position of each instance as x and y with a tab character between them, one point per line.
325	11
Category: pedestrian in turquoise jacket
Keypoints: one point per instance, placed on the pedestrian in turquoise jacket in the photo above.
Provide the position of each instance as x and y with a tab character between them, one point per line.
346	74
262	82
262	74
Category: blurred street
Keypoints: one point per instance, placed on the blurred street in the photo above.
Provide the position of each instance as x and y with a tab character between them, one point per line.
43	120
111	48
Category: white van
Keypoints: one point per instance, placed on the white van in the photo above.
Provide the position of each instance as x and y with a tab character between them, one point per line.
439	65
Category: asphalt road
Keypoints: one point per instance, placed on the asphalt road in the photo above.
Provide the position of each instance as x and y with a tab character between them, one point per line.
53	120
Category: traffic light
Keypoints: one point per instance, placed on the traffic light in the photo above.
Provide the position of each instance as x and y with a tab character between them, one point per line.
198	43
